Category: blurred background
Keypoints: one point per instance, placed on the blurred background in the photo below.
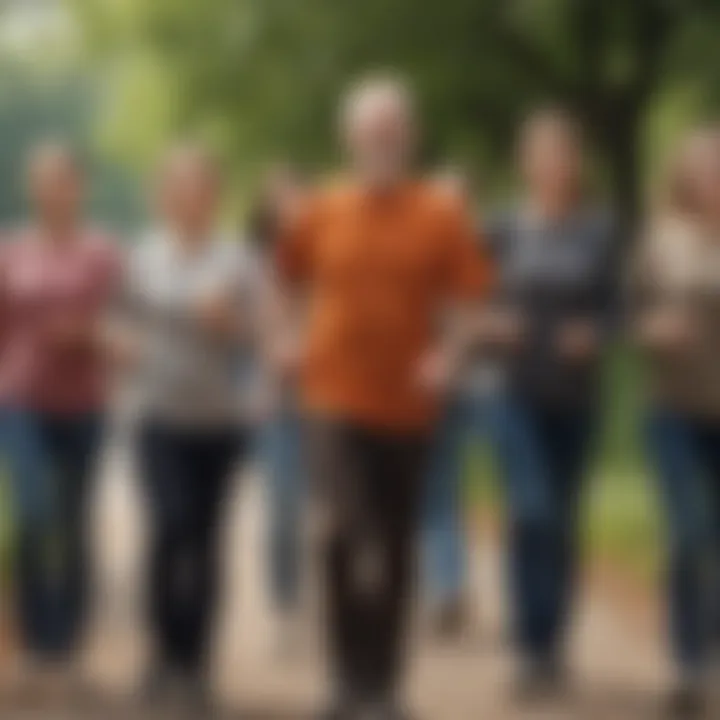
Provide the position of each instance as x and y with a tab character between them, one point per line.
259	79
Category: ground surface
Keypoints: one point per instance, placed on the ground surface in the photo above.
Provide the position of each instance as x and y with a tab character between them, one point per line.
617	656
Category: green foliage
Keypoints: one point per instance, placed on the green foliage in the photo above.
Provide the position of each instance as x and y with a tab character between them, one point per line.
261	77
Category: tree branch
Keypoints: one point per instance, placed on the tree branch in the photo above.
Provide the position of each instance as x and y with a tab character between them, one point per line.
527	58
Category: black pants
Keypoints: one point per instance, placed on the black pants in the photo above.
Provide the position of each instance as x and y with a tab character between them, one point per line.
370	485
187	477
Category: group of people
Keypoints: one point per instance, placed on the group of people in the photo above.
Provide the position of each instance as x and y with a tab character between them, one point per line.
368	330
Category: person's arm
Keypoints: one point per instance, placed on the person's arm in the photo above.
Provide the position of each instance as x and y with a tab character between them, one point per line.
291	273
466	276
119	332
81	329
4	315
583	337
659	320
499	325
227	314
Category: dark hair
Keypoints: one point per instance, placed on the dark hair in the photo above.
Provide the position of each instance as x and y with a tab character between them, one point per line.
559	120
263	224
264	216
554	117
57	147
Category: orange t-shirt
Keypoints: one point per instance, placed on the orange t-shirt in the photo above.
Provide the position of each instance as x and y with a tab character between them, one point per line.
378	270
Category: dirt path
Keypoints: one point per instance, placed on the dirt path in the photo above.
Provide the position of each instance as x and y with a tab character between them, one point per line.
618	671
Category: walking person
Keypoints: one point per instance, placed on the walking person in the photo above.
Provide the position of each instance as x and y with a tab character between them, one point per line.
57	278
444	534
189	309
677	286
380	257
554	308
281	429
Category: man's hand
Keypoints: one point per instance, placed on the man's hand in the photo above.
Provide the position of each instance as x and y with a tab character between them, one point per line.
435	371
502	327
577	340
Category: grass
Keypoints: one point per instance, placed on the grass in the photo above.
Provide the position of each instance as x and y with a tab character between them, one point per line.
624	515
622	521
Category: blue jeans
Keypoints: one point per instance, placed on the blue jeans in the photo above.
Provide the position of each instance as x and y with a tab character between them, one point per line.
50	462
287	491
686	456
543	453
443	532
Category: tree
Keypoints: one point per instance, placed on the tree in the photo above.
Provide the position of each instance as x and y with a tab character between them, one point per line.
263	75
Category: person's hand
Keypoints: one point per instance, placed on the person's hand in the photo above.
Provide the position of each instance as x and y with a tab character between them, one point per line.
577	340
285	356
503	327
435	370
666	330
263	403
217	314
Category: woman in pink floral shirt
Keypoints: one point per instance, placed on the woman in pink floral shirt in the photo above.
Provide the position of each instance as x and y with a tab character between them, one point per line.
56	279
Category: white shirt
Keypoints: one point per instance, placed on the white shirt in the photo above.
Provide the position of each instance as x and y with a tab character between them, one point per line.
187	375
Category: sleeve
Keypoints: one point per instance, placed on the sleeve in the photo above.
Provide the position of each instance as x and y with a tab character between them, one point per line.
466	268
113	269
4	245
294	252
641	286
247	280
252	272
126	301
495	230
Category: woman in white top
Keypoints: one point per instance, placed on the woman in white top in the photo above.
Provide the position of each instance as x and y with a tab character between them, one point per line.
190	302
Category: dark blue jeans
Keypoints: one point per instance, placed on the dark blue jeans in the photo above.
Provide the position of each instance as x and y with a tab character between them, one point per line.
686	454
51	461
543	453
186	474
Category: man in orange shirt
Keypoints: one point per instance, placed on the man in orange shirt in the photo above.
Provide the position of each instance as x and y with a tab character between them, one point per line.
379	258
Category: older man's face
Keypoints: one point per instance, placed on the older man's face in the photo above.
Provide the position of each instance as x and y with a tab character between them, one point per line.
379	134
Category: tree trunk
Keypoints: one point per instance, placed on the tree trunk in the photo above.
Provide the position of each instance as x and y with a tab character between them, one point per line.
621	143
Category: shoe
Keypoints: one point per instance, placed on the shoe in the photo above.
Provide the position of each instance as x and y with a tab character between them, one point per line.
450	619
686	702
288	644
195	697
344	705
157	687
539	681
383	711
337	711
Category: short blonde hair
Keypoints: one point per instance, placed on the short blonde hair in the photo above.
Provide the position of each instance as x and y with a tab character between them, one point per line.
677	193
